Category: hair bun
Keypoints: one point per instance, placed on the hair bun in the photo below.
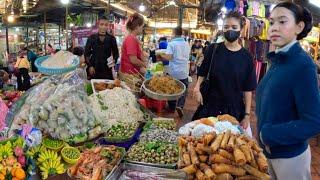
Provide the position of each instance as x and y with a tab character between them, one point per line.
307	19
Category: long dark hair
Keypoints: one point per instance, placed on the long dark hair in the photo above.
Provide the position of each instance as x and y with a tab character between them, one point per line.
300	14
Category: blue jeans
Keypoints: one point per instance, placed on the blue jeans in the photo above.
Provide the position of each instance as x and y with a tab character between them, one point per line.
182	99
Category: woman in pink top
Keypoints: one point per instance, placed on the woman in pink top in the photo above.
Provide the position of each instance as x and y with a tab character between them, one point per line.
132	58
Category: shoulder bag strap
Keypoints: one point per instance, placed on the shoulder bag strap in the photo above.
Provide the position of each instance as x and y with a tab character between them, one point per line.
211	60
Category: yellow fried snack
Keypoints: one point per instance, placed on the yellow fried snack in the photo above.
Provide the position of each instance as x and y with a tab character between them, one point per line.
226	168
164	85
253	171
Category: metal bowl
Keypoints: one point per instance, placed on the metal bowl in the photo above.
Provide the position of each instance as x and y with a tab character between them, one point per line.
161	97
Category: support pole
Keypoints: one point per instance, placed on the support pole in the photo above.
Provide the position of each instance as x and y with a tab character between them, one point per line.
7	38
67	33
181	9
45	32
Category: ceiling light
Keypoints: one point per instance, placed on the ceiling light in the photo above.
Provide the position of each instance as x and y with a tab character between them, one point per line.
10	18
172	3
315	2
224	9
88	25
65	1
71	24
17	29
142	8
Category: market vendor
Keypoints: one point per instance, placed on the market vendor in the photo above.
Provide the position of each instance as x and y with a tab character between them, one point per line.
177	53
288	100
101	52
133	59
230	78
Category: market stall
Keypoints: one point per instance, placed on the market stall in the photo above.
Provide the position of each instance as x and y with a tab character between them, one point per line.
66	126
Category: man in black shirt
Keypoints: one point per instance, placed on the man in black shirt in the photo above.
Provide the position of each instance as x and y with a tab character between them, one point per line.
99	48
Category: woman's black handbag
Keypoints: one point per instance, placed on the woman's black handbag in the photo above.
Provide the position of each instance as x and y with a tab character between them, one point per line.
204	87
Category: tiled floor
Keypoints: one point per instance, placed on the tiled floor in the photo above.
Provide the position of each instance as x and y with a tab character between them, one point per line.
191	106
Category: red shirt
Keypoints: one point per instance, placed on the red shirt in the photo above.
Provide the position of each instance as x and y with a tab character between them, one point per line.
130	47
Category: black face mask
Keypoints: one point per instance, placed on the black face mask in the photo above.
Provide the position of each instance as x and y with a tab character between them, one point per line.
231	35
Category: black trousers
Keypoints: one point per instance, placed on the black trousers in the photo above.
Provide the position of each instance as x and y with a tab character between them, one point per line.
23	79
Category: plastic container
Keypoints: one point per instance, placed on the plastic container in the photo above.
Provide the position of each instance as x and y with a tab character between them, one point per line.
51	71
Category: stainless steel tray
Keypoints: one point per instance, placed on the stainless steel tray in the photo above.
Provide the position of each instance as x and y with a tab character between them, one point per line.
166	173
169	97
167	166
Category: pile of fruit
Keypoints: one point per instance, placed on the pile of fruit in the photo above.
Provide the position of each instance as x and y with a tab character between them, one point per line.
154	152
12	160
10	97
49	154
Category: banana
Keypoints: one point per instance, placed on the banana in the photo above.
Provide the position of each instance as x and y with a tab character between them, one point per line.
48	155
50	168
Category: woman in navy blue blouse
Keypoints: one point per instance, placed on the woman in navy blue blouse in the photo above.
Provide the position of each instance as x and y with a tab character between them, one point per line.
288	101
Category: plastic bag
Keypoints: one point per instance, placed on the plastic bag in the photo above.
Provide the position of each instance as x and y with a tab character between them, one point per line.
223	126
201	129
59	106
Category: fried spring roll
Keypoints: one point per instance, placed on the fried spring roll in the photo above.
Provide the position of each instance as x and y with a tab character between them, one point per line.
200	174
191	169
226	154
193	154
216	158
208	138
255	146
202	148
253	171
181	164
186	159
262	162
247	177
224	176
199	149
239	156
225	168
203	158
253	161
225	139
240	142
207	171
247	152
216	143
182	142
231	143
